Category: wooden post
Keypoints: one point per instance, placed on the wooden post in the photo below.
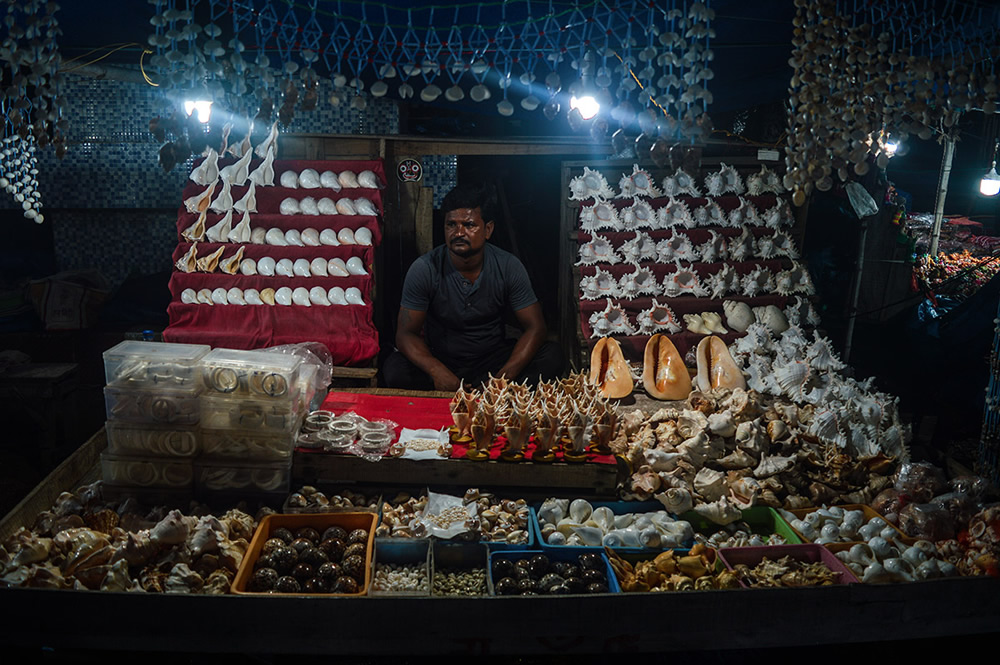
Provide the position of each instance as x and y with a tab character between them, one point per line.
942	191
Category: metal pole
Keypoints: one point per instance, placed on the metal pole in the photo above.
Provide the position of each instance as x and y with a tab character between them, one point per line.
857	290
942	192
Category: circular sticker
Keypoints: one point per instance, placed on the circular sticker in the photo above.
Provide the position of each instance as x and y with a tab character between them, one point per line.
409	170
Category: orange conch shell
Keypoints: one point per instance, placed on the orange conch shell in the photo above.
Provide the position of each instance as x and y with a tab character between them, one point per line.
608	369
716	367
664	375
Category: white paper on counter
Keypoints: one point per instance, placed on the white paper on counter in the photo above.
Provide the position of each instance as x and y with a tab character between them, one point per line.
409	434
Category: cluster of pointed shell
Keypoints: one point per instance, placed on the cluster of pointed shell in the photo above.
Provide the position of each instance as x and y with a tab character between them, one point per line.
641	247
268	266
848	413
592	185
284	295
674	213
242	233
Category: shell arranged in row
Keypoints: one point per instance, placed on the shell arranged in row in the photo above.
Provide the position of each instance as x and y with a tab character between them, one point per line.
312	179
310	237
678	247
285	295
317	267
237	173
675	213
327	206
682	281
591	184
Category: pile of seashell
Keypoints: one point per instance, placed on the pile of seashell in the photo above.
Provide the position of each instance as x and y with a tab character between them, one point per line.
409	577
739	534
459	582
526	574
309	499
785	572
309	562
85	543
19	174
491	520
578	523
284	295
669	571
720	451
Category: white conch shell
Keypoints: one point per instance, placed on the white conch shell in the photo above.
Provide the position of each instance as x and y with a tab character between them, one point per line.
356	266
248	267
744	214
612	320
726	180
772	317
285	267
597	250
300	296
696	324
336	267
275	236
368	180
721	512
721	282
641	281
365	206
289	206
639	248
208	171
677	247
309	179
680	184
639	183
580	510
742	247
773	465
591	184
713	249
658	318
348	180
205	297
219	231
336	296
294	238
310	237
220	296
263	175
195	232
683	281
764	182
241	233
289	179
363	236
318	267
756	281
269	143
231	264
345	236
329	237
676	500
302	268
353	296
308	206
317	295
283	296
235	296
249	200
739	316
326	206
199	202
258	235
224	201
266	266
189	297
713	321
710	484
328	180
345	206
237	173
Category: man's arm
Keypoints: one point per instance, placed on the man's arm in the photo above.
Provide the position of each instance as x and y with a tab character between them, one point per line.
533	323
410	341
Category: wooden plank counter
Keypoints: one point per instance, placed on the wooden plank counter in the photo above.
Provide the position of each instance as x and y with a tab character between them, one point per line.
816	622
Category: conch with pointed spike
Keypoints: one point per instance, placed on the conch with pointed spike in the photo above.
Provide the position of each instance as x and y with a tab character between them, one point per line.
608	369
716	367
664	375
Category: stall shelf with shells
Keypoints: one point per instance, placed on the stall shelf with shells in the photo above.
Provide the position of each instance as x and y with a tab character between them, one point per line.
261	240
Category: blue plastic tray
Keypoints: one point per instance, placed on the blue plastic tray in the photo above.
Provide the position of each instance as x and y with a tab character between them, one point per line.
555	554
618	508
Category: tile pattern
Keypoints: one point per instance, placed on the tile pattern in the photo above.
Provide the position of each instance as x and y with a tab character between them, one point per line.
441	173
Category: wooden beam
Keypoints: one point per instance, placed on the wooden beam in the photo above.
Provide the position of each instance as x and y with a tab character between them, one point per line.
424	220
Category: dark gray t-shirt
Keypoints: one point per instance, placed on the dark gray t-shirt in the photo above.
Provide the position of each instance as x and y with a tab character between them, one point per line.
465	319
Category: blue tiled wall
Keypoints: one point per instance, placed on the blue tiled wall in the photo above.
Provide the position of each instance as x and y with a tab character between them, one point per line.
441	173
111	165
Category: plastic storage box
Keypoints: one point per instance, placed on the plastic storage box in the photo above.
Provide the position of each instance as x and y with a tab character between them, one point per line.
762	521
412	551
866	510
133	439
256	374
226	476
449	556
258	415
568	554
320	522
146	471
806	552
618	508
155	365
246	446
167	407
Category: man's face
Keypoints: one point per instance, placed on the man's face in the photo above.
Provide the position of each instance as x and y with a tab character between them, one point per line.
465	233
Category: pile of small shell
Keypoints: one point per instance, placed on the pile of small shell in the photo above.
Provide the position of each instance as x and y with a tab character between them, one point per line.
860	75
307	562
530	575
785	572
85	543
460	582
722	451
400	577
741	536
286	296
310	499
494	520
845	412
578	523
19	174
669	571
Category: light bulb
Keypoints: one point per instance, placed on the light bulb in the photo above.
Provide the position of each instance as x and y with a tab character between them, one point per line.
891	146
589	107
202	106
990	184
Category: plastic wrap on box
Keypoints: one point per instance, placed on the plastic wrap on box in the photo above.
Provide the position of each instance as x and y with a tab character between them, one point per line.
254	374
126	438
152	406
257	415
250	446
121	470
154	365
225	476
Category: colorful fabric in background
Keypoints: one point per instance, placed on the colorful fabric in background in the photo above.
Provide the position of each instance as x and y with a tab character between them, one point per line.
959	275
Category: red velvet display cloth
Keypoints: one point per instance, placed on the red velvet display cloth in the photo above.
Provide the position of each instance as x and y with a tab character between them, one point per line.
347	331
419	413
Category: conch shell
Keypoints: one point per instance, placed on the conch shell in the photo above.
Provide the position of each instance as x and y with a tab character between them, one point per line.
608	369
664	375
676	500
716	367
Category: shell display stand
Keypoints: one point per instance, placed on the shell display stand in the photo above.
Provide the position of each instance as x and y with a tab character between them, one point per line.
348	331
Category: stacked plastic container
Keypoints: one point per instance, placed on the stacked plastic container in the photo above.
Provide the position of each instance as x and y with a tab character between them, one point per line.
153	409
251	410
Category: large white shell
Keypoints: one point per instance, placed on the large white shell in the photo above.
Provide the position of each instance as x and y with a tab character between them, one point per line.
224	201
336	267
356	266
302	268
658	318
189	296
742	246
739	316
612	320
205	297
230	265
363	236
639	183
248	267
597	250
639	248
263	175
681	282
345	206
258	236
252	297
318	267
329	237
641	281
590	185
721	282
639	215
310	237
713	321
756	281
241	233
348	180
328	179
336	296
284	267
275	236
677	247
713	249
602	215
317	295
772	317
308	206
283	296
249	201
208	171
219	231
289	179
309	179
326	206
364	206
220	296
289	206
680	184
368	180
235	296
300	296
294	238
200	202
346	236
353	296
237	173
599	285
266	265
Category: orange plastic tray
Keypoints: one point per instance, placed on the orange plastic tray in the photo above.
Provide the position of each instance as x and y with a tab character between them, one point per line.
867	510
318	521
